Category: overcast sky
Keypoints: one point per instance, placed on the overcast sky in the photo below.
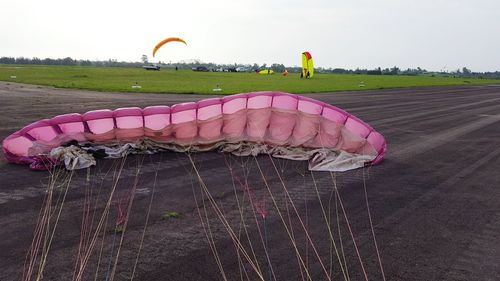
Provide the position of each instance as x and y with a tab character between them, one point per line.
432	34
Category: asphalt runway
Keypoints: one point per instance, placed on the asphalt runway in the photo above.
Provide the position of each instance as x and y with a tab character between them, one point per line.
434	200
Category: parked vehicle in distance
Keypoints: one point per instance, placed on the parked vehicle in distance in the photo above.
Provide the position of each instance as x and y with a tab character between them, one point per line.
151	67
200	68
243	69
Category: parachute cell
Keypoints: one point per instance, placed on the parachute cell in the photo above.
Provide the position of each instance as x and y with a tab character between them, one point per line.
280	124
165	41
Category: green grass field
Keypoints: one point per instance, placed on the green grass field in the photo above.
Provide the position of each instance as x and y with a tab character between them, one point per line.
111	79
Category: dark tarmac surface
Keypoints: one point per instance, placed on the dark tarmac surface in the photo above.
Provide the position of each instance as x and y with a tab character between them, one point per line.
435	200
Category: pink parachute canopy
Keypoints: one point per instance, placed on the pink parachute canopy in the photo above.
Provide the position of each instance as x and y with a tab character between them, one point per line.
271	118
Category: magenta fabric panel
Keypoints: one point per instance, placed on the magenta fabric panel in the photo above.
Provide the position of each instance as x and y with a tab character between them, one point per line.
210	131
350	141
127	111
66	118
281	125
283	118
101	126
310	106
208	109
307	122
210	120
156	109
259	100
183	117
185	133
156	118
157	121
69	123
184	112
16	145
357	127
334	115
129	123
285	102
258	115
234	109
306	128
257	123
232	104
72	127
97	114
100	122
234	125
378	143
41	130
329	134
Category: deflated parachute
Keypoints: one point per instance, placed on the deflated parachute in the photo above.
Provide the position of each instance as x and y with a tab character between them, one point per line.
266	71
280	124
165	41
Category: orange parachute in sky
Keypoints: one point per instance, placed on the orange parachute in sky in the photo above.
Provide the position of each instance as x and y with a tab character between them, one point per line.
165	41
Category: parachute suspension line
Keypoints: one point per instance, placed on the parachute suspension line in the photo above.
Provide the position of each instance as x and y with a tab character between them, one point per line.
290	222
241	226
293	236
329	212
223	220
301	172
104	217
207	230
48	243
88	248
37	237
292	240
332	239
260	209
84	227
337	195
42	230
86	240
147	217
127	215
241	210
300	220
371	226
338	227
111	253
101	248
113	167
349	227
236	240
304	193
270	273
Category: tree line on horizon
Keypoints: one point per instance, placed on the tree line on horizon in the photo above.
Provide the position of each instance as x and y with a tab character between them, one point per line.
68	61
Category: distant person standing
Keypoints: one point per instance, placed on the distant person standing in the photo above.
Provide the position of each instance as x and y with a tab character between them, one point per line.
176	68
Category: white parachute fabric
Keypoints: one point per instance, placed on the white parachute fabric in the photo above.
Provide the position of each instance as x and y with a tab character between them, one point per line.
320	159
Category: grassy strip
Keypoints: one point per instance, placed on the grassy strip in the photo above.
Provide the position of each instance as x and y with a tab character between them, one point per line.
117	79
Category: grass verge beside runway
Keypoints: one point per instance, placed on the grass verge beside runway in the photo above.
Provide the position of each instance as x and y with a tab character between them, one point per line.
120	79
